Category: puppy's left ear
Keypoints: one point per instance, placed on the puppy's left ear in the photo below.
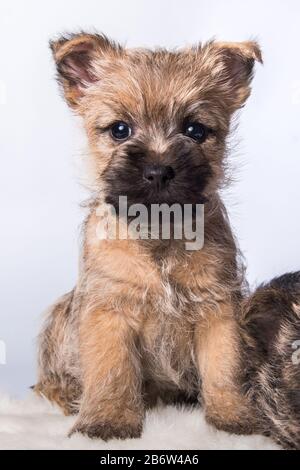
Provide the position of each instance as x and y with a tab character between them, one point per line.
76	57
234	67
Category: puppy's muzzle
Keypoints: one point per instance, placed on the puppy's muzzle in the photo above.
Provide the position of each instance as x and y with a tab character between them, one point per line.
158	176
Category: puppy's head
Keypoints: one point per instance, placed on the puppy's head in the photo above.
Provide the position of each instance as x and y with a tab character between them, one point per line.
156	121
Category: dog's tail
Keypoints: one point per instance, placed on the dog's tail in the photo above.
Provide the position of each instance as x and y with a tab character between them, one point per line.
272	334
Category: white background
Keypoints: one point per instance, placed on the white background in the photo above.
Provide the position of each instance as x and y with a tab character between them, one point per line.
41	143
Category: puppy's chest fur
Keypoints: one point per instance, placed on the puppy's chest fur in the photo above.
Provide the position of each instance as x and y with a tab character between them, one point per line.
167	337
167	349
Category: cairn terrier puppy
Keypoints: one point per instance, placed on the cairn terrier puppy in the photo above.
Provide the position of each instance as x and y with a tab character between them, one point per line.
271	328
149	319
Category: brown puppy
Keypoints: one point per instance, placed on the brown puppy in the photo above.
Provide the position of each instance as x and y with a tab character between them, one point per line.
271	325
150	319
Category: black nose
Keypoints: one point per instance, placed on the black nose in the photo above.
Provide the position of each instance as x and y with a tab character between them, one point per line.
158	175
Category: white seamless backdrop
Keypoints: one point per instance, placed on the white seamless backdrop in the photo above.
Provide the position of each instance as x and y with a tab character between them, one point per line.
41	143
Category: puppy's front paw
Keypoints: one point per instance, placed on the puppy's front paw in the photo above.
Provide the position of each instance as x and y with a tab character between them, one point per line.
107	430
240	425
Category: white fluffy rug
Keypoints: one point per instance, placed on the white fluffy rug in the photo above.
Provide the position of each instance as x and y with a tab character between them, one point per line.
33	423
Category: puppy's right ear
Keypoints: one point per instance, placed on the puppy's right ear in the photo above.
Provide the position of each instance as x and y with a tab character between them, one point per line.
75	57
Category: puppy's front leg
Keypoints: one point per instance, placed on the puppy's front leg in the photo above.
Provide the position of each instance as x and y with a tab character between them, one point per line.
111	404
218	353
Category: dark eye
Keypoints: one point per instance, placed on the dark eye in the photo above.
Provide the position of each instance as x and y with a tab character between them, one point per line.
196	131
120	130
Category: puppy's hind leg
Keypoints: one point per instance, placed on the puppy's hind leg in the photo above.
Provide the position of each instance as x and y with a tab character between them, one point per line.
64	391
57	377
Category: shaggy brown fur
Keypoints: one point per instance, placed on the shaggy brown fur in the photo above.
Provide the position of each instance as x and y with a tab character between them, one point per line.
272	336
149	319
